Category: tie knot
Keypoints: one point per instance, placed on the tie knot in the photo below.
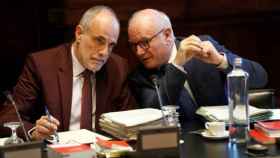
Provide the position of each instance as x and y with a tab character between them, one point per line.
87	73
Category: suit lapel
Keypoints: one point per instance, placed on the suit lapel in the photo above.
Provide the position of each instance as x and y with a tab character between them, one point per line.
101	93
65	74
142	76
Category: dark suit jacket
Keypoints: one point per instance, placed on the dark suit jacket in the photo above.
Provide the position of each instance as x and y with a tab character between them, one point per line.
47	80
207	83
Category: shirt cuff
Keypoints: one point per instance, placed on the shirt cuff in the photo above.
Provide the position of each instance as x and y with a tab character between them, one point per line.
29	133
51	140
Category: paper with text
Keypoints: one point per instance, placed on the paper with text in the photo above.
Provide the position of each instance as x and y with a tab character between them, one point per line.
82	136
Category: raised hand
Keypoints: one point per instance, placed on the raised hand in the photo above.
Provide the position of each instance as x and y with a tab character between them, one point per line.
192	46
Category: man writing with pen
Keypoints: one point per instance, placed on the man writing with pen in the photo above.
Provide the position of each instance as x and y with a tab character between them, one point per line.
55	138
73	83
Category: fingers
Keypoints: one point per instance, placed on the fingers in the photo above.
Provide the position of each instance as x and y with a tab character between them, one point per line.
206	51
45	127
191	44
193	38
54	120
209	53
187	49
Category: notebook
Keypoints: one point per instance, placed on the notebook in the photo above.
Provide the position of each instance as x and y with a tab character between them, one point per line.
221	113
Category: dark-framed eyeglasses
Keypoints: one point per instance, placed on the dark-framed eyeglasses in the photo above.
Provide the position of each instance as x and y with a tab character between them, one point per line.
145	42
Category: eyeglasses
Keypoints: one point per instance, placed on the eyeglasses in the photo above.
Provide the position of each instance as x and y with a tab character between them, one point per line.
145	42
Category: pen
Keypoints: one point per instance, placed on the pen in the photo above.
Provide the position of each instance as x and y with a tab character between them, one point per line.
49	118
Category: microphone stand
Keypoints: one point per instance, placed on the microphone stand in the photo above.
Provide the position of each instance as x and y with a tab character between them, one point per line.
155	82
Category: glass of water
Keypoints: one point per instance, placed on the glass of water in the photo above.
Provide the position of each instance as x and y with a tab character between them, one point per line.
171	115
14	139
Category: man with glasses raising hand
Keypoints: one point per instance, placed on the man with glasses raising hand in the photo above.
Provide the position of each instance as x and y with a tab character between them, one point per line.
191	71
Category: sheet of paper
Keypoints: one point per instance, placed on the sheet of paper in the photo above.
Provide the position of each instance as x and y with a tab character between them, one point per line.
221	112
133	117
82	136
275	115
2	140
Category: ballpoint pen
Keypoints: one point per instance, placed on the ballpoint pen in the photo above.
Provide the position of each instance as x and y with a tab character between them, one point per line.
56	138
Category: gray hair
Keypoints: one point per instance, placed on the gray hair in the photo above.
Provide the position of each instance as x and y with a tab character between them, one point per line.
163	19
90	14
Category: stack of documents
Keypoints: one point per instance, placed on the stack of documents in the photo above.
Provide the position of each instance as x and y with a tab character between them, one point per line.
70	151
126	124
112	147
74	144
221	113
82	136
269	128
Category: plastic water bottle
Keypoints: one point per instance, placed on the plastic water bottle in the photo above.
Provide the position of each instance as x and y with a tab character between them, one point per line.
238	103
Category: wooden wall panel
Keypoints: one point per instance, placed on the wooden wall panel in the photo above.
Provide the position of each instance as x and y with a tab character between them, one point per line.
268	5
19	35
124	8
248	27
202	8
253	38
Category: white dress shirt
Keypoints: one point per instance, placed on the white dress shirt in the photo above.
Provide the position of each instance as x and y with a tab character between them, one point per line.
78	81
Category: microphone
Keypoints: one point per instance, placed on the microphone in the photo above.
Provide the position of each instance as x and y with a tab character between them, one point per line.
10	98
154	79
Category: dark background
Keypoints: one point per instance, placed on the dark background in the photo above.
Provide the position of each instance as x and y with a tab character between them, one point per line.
250	28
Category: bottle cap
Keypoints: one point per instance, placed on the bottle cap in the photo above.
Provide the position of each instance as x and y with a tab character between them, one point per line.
238	61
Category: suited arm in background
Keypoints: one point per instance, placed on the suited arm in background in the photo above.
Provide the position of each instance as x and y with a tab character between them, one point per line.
258	75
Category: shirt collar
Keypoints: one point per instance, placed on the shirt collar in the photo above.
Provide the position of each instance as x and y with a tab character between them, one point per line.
77	66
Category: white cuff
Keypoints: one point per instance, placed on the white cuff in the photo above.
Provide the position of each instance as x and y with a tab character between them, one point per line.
29	133
53	139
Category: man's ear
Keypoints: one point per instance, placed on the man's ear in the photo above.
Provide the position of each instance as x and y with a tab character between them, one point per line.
78	32
168	36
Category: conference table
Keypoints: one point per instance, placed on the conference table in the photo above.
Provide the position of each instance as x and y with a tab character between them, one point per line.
196	146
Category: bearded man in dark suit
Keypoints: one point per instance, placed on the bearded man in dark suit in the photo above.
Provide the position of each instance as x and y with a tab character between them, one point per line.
54	78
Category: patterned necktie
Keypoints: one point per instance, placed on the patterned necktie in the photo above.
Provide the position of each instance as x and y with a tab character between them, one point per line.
86	101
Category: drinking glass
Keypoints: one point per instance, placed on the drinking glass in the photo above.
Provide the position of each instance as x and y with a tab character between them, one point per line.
172	118
14	139
171	115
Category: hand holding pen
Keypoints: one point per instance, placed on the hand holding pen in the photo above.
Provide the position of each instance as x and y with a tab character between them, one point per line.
55	138
45	127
